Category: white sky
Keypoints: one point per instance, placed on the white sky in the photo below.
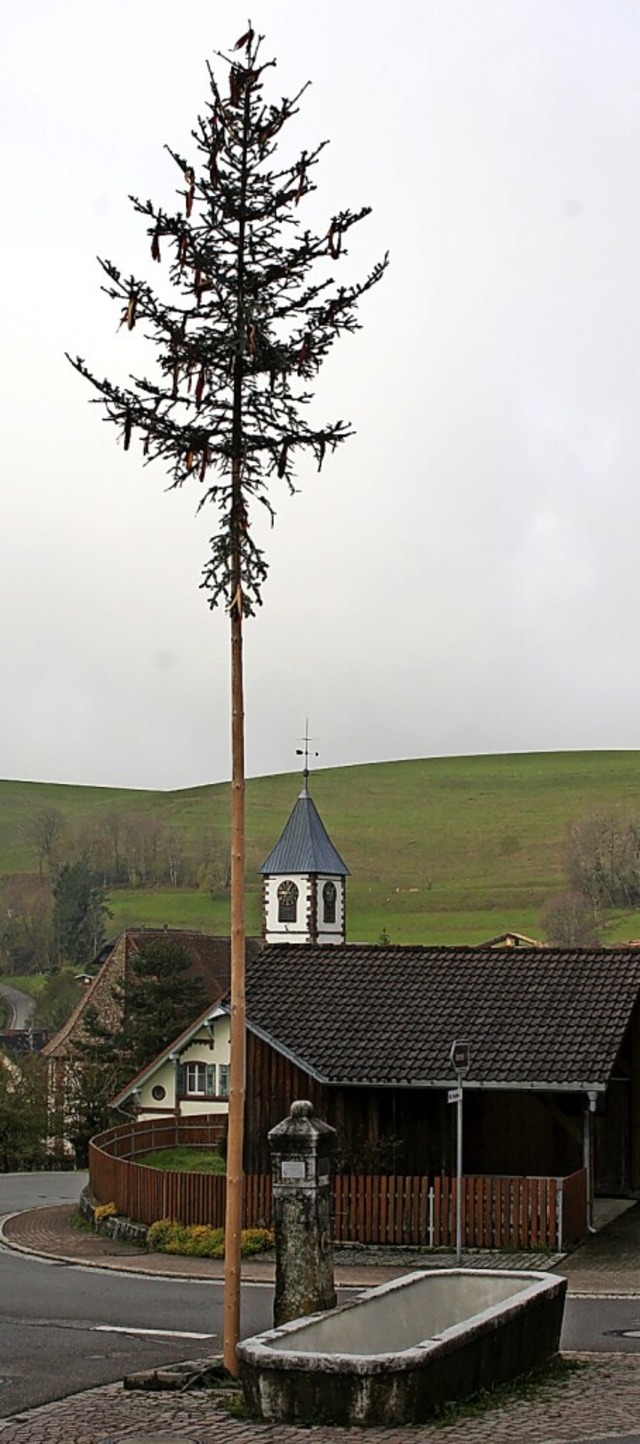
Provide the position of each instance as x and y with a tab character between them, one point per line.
463	576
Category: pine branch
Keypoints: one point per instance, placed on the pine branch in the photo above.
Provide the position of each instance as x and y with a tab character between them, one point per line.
250	322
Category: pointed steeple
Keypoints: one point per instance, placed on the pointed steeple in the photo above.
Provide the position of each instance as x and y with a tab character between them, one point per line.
304	844
304	877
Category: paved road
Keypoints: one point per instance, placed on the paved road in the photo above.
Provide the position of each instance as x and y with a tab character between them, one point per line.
602	1325
65	1328
35	1190
600	1403
21	1006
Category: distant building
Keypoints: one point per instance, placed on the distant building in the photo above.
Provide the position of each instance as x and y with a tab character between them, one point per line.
304	887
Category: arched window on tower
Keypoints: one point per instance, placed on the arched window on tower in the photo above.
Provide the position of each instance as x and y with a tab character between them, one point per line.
287	902
329	896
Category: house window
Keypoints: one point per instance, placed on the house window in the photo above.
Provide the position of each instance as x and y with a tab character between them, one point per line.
158	1092
287	902
329	896
223	1080
200	1080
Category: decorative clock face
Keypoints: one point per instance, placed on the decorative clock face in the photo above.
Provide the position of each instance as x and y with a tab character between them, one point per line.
287	901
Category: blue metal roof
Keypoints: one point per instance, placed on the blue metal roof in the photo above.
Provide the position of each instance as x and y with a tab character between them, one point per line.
304	844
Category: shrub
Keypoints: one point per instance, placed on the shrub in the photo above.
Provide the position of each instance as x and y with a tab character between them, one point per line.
159	1232
254	1240
204	1242
104	1210
200	1241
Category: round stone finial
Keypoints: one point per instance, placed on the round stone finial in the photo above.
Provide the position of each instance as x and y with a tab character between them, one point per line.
301	1108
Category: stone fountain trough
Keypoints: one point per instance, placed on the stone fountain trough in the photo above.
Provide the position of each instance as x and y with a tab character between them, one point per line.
400	1350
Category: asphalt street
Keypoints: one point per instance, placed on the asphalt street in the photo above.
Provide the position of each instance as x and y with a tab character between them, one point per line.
63	1328
68	1328
35	1190
20	1006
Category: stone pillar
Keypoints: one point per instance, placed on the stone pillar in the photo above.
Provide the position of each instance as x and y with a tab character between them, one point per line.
301	1149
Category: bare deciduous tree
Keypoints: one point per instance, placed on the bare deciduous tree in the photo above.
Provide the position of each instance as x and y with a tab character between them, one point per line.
44	832
603	858
570	920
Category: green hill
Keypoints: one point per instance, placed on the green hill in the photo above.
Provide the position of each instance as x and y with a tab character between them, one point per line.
440	850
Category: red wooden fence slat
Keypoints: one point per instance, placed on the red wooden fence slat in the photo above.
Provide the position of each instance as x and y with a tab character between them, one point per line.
437	1212
553	1213
384	1210
497	1212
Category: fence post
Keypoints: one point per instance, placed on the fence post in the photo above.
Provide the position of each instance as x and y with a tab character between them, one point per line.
431	1200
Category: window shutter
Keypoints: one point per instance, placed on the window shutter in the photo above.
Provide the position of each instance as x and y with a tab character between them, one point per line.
181	1079
211	1080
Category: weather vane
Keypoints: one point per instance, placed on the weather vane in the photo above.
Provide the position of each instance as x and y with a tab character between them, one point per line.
305	751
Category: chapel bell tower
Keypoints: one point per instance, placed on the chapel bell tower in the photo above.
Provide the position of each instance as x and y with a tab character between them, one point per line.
304	887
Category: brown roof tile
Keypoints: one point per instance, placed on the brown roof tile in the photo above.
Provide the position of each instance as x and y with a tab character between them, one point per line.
360	1014
210	960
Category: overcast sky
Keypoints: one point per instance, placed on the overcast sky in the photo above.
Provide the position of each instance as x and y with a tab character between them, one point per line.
463	577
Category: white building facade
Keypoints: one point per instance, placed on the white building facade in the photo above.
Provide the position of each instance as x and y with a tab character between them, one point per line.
304	881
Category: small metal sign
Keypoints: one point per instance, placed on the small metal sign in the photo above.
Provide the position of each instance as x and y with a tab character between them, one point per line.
293	1168
460	1056
454	1095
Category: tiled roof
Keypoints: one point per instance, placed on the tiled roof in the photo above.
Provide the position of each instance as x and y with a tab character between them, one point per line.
388	1015
304	844
210	960
210	955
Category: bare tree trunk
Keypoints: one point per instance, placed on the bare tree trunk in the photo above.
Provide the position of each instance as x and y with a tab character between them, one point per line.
235	1176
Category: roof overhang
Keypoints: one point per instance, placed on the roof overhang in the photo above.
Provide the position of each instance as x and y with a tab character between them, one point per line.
489	1085
578	1085
173	1051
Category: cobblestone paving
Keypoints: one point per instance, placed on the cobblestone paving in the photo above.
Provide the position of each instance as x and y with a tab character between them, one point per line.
601	1400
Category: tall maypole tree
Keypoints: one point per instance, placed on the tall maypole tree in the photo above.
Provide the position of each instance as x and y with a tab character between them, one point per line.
254	310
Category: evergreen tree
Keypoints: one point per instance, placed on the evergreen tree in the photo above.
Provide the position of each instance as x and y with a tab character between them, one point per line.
255	311
56	999
80	910
158	1000
23	1112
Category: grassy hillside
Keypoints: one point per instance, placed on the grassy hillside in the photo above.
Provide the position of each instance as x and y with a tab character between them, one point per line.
441	850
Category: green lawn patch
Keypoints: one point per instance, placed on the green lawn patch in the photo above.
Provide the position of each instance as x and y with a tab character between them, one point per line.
184	1160
440	850
31	983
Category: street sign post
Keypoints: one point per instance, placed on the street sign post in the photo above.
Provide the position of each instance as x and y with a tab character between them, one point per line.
460	1056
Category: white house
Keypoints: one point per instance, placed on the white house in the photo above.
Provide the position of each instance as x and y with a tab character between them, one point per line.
190	1076
304	901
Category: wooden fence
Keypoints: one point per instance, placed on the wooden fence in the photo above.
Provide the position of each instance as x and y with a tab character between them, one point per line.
497	1213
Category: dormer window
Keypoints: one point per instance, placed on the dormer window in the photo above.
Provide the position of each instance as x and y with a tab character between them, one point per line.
329	896
287	902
